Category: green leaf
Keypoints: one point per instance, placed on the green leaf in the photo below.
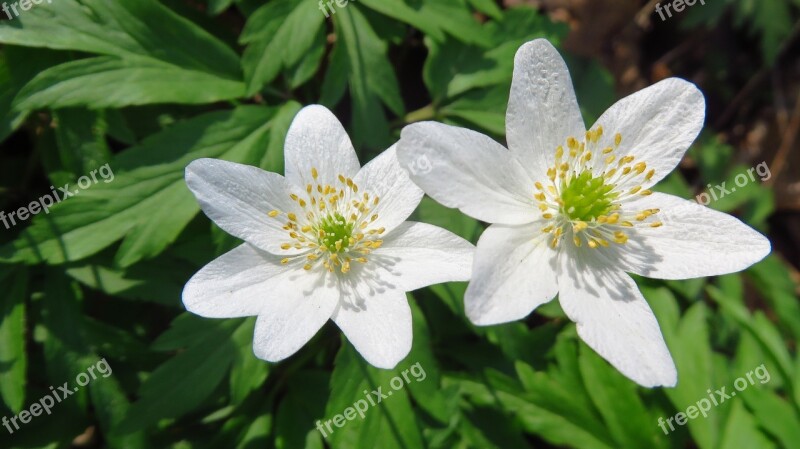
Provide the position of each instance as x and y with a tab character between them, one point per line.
121	29
279	35
272	159
217	6
617	400
257	432
334	85
771	19
295	423
110	82
10	120
80	135
772	279
429	211
426	388
160	281
594	86
17	66
760	327
304	69
67	354
371	79
389	424
483	109
691	351
185	381
548	406
13	358
185	331
434	17
151	54
147	203
741	430
453	67
247	371
775	415
111	404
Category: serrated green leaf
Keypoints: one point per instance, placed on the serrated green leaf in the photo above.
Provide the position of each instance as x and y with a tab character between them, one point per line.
147	177
136	27
110	82
151	54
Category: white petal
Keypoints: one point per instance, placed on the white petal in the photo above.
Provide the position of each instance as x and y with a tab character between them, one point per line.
542	108
316	139
238	198
657	124
416	255
514	272
397	195
469	171
694	241
378	324
288	321
236	284
614	319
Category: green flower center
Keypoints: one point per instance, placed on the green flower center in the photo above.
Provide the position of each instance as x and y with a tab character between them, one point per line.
585	197
337	232
581	199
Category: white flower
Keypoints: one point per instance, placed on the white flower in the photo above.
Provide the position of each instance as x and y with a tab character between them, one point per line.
572	209
329	240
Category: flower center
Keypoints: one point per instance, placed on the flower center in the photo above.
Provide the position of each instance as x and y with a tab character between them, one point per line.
336	228
336	232
582	197
586	197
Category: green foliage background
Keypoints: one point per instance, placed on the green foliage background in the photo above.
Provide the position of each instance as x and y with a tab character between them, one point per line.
149	86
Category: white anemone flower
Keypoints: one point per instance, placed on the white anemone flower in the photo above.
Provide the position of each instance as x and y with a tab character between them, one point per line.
572	211
328	241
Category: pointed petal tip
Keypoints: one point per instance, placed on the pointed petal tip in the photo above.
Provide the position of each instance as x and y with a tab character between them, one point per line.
534	46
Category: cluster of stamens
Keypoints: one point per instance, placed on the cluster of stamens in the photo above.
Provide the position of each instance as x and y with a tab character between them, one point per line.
585	189
335	226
